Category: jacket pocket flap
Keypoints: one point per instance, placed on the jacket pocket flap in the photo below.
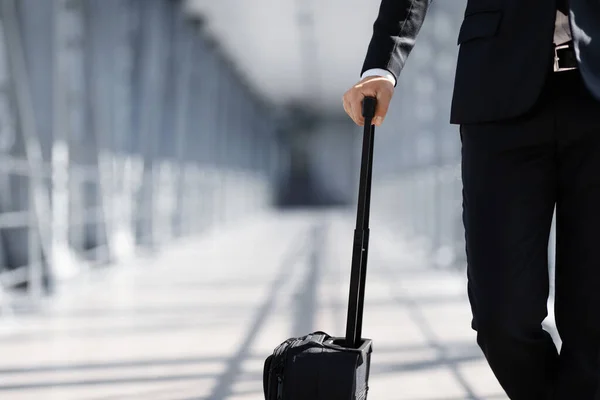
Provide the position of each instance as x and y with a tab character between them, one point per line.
478	25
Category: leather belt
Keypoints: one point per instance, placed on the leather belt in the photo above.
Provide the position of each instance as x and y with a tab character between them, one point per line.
564	58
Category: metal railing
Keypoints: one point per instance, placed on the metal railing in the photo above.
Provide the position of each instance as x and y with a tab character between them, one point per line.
122	128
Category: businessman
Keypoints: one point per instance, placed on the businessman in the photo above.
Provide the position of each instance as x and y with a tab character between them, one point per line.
526	96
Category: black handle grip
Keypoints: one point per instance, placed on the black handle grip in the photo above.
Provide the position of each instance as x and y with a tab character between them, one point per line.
368	107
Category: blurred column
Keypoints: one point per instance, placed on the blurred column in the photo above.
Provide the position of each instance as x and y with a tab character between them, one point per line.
438	43
234	151
164	182
123	172
223	138
152	41
184	60
277	159
248	153
426	112
265	142
8	138
448	207
103	19
62	258
247	147
254	155
72	25
88	177
207	135
28	32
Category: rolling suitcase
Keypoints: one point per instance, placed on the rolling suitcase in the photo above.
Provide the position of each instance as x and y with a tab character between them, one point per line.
318	366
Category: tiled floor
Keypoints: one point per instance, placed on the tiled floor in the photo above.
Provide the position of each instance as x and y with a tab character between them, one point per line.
198	321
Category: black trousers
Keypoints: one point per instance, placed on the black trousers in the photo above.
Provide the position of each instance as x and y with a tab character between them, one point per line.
514	174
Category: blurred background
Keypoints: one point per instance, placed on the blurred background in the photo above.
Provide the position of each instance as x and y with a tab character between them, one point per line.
177	191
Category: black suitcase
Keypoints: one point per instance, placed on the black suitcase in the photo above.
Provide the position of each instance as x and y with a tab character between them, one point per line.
318	366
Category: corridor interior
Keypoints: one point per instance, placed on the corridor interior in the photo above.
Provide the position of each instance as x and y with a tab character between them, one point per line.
198	320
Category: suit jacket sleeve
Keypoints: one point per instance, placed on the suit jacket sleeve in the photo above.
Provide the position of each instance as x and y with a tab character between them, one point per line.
394	34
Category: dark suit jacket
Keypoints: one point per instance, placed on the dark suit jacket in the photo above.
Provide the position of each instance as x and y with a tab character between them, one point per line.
506	50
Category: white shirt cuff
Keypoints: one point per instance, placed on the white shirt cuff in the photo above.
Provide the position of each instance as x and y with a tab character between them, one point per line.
380	72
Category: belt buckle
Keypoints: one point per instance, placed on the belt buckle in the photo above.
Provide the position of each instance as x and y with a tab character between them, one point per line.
557	67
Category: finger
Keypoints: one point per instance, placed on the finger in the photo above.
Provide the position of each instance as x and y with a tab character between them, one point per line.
383	104
356	109
348	108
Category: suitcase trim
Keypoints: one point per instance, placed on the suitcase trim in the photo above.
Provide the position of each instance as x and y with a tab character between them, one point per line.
336	343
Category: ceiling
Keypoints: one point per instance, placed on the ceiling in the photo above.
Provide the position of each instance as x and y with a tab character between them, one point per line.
307	51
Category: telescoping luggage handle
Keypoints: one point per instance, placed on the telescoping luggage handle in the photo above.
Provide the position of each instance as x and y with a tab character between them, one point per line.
361	232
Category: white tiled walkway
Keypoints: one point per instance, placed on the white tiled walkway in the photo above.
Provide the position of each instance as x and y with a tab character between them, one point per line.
197	321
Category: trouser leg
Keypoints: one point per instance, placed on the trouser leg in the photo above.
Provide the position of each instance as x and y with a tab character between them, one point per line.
577	298
509	193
